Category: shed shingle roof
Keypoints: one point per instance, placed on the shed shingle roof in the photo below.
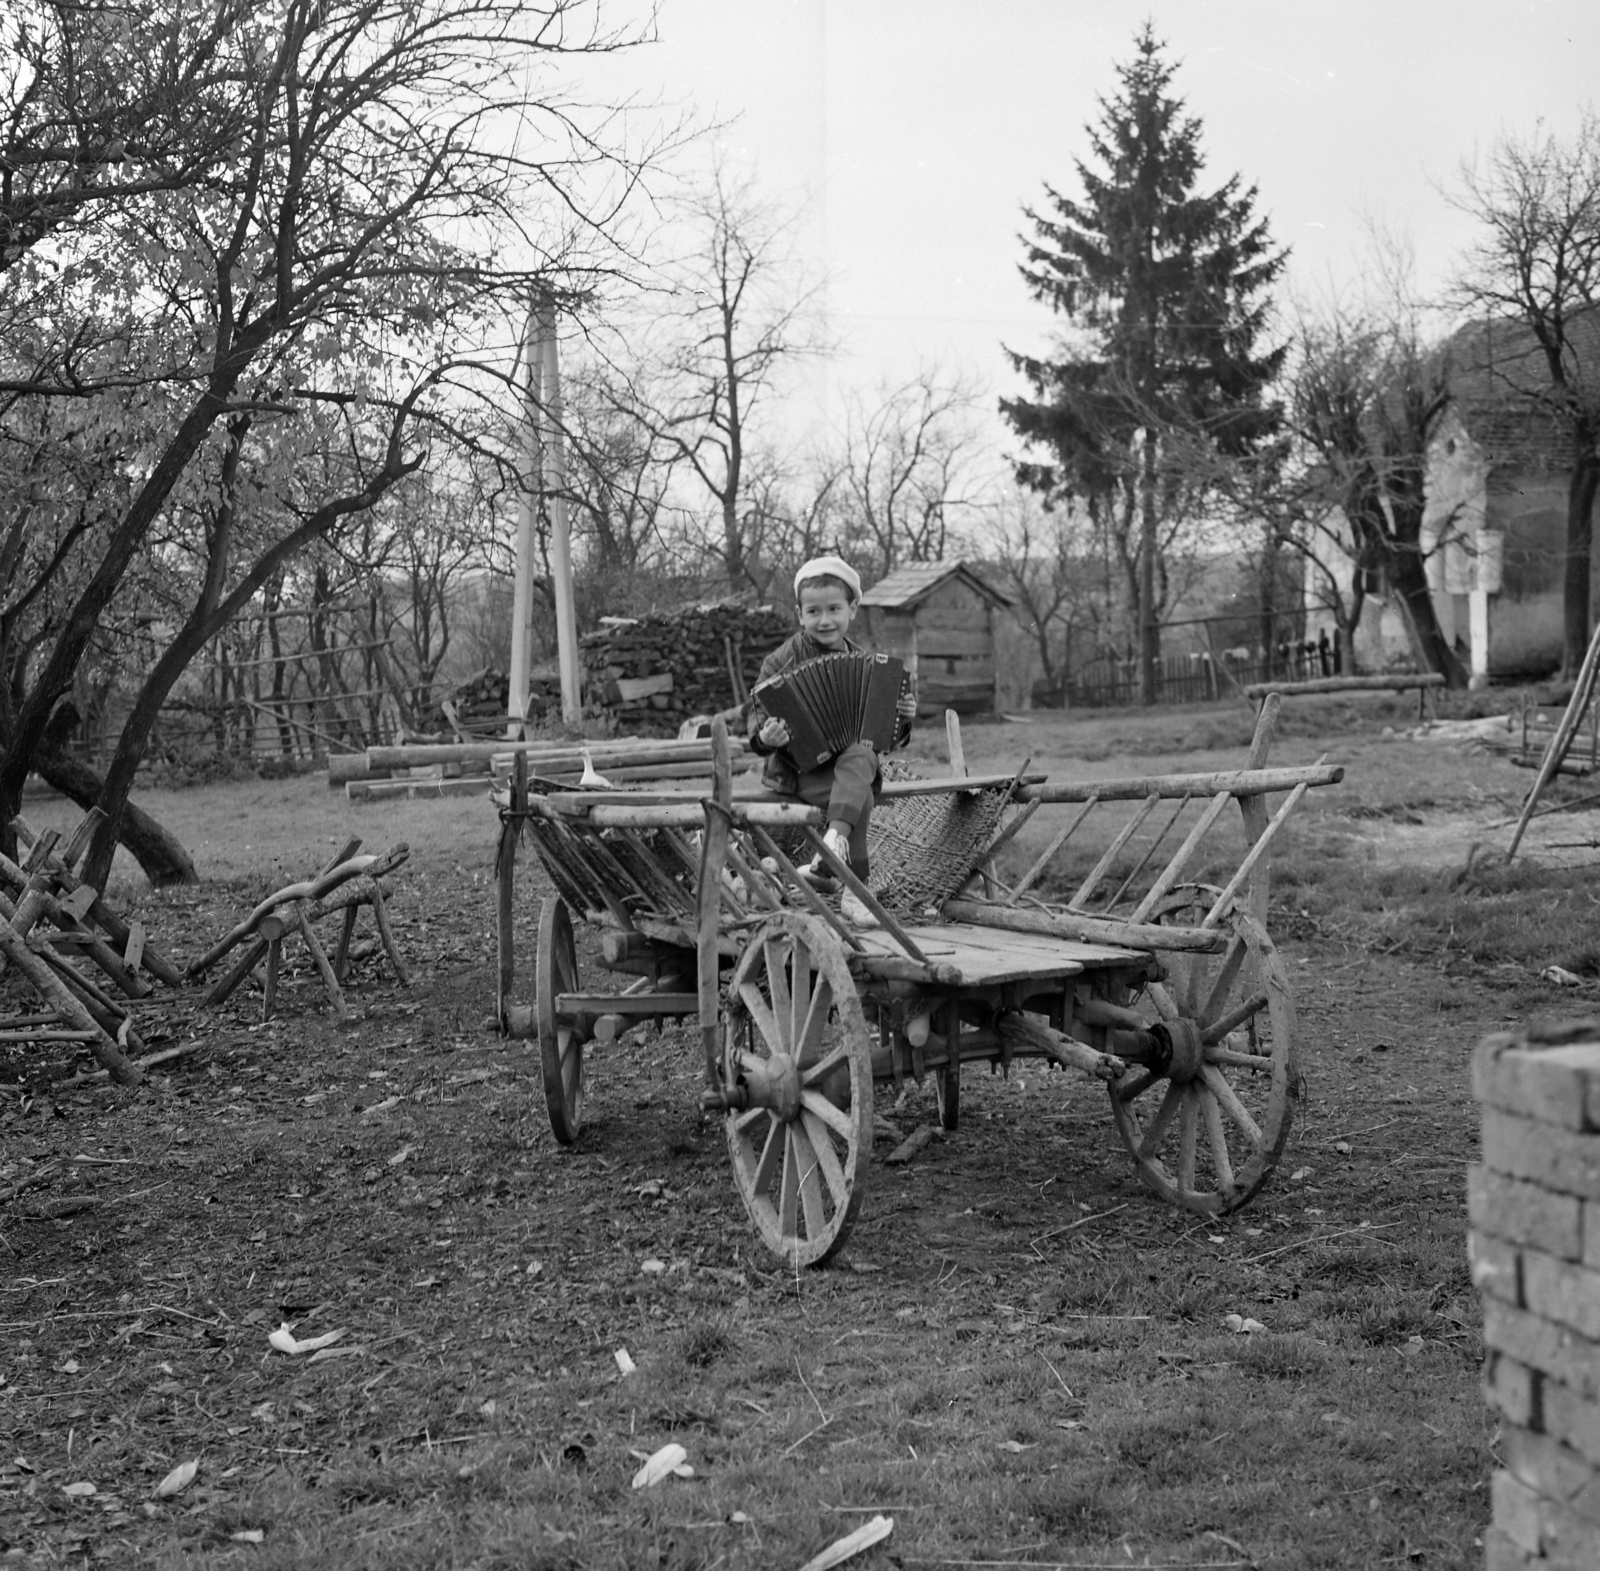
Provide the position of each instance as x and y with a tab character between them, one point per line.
904	587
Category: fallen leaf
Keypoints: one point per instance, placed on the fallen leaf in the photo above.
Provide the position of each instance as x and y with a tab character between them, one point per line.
657	1466
178	1479
336	1352
1015	1447
1241	1326
625	1363
82	1488
652	1267
248	1535
864	1537
286	1342
1300	1173
1342	1147
68	1368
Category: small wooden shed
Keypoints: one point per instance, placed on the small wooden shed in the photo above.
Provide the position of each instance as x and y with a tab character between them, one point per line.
939	618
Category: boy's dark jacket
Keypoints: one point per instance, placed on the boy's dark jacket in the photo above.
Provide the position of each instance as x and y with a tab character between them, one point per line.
779	772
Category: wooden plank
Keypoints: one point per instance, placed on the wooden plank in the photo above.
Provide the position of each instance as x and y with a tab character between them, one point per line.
1347	684
1240	782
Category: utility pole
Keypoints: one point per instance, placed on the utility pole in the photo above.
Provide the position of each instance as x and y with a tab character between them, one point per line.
555	487
531	366
546	465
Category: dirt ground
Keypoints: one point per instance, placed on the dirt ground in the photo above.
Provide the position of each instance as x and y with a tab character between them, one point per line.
395	1177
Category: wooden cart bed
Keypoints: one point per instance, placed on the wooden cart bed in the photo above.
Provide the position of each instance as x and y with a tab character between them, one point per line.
985	956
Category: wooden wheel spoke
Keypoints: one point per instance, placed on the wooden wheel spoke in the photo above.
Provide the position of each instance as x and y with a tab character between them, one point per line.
835	1118
1234	1018
1217	1084
761	1013
1255	1063
810	1029
827	1161
1162	999
1217	1139
830	1060
771	1156
1188	1136
751	1115
777	957
808	1177
799	998
788	1182
1222	983
1157	1132
1134	1086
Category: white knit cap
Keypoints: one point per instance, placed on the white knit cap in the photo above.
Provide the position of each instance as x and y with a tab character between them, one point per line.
829	567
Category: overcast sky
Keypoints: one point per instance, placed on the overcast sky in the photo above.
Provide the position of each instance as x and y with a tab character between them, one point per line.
916	131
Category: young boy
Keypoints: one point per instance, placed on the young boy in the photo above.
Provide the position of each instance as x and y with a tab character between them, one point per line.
827	591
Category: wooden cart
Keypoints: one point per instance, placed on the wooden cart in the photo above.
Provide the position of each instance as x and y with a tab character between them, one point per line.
1166	989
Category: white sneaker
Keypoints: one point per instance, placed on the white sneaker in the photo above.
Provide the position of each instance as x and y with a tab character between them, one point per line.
854	910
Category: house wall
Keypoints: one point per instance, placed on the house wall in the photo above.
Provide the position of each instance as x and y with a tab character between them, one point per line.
1525	618
950	635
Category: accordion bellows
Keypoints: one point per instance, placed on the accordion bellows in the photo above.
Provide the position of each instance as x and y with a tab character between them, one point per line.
833	701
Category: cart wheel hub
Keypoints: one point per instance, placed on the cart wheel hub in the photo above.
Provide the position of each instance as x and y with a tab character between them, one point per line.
772	1083
1183	1048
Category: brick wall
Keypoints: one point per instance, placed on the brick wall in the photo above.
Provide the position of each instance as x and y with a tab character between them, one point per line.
1534	1203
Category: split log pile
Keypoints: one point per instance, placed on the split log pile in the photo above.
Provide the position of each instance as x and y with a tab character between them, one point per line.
1533	1203
477	706
654	671
52	929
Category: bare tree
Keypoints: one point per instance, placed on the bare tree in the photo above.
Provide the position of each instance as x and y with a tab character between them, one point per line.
1534	274
394	174
1367	393
739	314
908	467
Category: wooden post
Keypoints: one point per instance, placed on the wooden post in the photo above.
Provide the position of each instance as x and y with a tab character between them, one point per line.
713	854
554	486
1253	809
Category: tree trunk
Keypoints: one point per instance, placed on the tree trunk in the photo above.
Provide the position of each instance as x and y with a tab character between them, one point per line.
1433	653
1580	533
1149	628
158	852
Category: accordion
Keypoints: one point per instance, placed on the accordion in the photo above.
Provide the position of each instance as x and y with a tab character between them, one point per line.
833	701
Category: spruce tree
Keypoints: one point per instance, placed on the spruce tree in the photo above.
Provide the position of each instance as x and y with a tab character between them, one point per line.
1158	385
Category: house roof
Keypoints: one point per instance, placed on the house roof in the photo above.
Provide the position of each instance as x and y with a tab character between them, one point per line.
1501	392
907	586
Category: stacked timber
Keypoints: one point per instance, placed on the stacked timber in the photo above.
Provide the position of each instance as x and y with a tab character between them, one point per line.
653	671
1534	1205
470	768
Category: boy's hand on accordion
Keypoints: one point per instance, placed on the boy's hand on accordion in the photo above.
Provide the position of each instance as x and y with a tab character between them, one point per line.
774	732
906	707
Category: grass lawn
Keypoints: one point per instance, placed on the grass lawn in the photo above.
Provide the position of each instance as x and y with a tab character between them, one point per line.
1022	1356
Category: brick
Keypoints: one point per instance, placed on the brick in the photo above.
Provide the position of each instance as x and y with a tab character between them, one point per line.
1518	1510
1554	1158
1496	1268
1553	1085
1525	1213
1513	1389
1566	1539
1591	1234
1561	1291
1551	1349
1554	1470
1500	1554
1567	1417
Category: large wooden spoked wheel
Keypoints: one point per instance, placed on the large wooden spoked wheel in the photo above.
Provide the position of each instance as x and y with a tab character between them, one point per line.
797	1055
1207	1130
560	1044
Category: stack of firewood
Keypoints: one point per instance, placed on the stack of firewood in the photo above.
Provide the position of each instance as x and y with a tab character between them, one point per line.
654	670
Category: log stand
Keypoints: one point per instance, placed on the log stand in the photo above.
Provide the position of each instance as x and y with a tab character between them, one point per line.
344	885
50	923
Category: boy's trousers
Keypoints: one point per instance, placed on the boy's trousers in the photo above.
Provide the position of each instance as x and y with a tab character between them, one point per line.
845	788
